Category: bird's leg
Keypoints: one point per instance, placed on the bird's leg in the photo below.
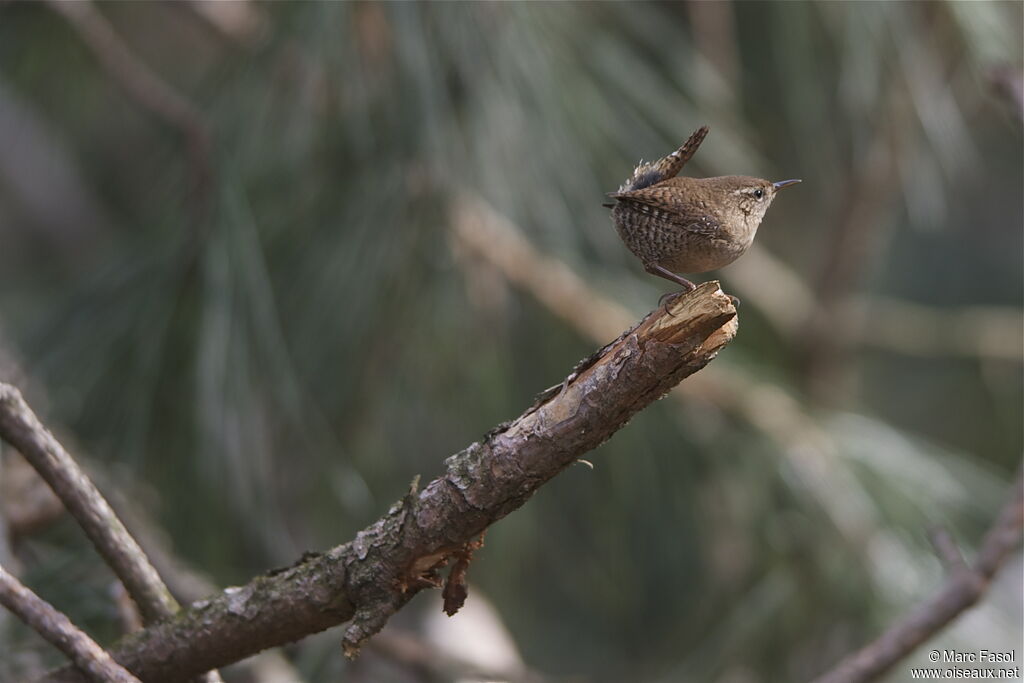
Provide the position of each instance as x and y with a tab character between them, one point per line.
655	269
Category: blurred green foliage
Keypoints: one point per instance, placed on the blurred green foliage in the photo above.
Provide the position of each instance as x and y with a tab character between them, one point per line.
267	373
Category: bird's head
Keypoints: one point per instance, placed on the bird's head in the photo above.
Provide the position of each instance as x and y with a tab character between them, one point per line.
746	198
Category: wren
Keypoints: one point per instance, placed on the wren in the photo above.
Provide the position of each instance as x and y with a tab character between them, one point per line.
689	225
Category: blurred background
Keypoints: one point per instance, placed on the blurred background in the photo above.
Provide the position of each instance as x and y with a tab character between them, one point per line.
262	264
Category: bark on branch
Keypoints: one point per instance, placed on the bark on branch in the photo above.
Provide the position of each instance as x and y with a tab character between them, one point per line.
371	577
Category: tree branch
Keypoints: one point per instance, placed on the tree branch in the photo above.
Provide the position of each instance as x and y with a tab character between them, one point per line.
964	586
56	628
373	576
482	237
480	234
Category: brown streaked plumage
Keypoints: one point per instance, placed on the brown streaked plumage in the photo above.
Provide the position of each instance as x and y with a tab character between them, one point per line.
689	225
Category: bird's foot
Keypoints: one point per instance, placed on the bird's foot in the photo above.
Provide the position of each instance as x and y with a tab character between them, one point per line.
668	297
661	271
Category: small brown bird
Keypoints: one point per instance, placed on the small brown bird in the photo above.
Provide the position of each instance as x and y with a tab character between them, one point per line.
689	225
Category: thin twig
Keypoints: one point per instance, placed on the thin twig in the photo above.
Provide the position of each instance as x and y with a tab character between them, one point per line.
1008	81
147	89
21	428
58	630
964	586
947	550
241	21
27	504
21	484
369	579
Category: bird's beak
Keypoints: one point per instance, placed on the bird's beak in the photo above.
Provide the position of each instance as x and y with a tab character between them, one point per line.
784	183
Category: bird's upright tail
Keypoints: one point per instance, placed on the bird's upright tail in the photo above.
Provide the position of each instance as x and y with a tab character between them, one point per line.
646	175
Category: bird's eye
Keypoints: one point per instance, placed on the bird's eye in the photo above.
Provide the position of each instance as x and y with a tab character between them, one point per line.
759	193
